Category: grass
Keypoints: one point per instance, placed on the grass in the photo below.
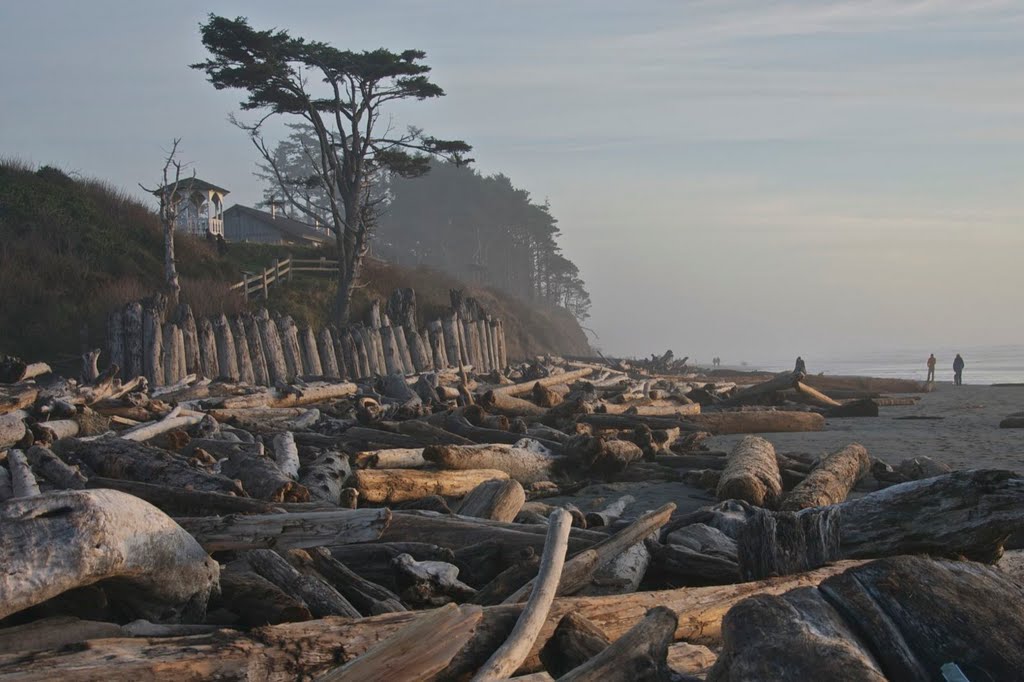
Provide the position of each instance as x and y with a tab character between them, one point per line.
72	249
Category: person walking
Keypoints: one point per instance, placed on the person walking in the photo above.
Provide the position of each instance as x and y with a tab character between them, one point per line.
958	370
931	368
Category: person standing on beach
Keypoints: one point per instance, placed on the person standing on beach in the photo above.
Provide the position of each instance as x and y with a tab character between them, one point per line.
800	366
931	368
958	370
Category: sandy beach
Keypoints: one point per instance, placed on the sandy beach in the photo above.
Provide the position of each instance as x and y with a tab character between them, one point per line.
963	432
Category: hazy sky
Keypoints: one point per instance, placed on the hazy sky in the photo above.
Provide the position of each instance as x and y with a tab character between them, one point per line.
749	179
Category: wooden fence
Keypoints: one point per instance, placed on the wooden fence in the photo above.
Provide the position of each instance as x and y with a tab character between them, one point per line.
281	271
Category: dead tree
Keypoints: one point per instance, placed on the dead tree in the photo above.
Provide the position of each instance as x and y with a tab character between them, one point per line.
170	209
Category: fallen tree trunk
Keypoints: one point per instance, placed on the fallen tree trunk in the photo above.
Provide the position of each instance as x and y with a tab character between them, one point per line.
723	423
295	530
563	378
509	405
261	477
125	459
751	474
525	465
640	655
394	458
900	618
387	486
969	513
293	650
814	396
59	541
322	599
495	500
831	481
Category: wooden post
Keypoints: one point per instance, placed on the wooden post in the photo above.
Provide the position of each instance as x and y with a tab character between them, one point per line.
115	337
153	347
133	338
246	372
260	374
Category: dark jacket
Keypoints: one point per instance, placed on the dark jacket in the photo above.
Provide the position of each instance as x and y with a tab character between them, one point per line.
958	364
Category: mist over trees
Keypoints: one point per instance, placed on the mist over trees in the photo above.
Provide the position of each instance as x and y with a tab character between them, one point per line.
475	227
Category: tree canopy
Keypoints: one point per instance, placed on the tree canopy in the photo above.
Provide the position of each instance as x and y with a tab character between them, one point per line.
341	96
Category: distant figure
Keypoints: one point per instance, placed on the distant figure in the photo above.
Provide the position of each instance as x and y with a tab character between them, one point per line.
958	370
222	246
931	368
800	366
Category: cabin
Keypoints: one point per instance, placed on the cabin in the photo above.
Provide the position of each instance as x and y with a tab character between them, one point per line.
245	224
200	206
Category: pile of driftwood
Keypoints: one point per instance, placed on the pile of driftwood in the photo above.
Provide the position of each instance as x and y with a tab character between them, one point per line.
415	527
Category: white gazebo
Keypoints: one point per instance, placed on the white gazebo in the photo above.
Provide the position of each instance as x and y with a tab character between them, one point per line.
201	206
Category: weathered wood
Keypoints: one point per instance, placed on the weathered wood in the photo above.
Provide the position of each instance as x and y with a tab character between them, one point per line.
243	356
452	347
125	459
328	358
392	458
286	453
601	455
208	358
392	359
23	481
116	346
900	618
17	396
640	655
290	345
134	340
610	513
184	502
969	513
150	430
340	353
321	598
325	476
751	474
260	370
227	355
421	360
308	394
190	339
277	368
310	353
307	649
55	542
54	469
415	652
509	405
386	486
262	477
524	464
295	530
831	481
152	340
722	423
48	432
362	352
12	428
510	655
562	378
495	500
370	598
575	641
257	601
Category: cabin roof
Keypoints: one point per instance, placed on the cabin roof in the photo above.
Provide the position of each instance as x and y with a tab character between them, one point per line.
281	223
192	185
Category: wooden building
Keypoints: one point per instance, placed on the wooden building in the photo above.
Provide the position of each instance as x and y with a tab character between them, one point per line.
245	224
201	206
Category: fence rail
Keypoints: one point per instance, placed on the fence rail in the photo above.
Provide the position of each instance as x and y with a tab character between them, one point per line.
281	271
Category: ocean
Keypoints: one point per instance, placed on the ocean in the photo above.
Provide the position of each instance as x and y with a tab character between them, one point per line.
982	364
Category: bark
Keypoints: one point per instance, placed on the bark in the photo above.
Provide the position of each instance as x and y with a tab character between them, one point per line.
190	338
751	474
328	358
640	655
370	598
261	477
574	642
295	530
183	502
525	465
494	500
12	428
125	459
393	458
563	378
387	486
277	369
831	481
290	345
246	373
134	340
23	481
152	335
969	513
325	476
420	651
310	353
60	541
54	469
257	601
116	345
321	598
511	406
208	358
253	338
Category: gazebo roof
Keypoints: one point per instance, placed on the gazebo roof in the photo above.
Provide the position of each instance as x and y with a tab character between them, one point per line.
192	185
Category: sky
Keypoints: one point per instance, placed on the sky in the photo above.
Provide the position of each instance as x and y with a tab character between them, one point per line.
741	178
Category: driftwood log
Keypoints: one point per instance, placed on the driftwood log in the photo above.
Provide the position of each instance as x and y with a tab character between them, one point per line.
751	474
59	541
831	481
497	500
523	464
387	486
295	530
